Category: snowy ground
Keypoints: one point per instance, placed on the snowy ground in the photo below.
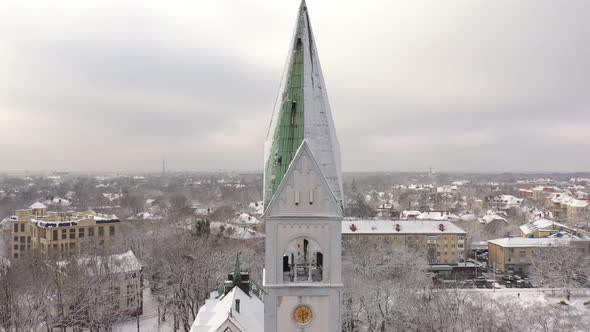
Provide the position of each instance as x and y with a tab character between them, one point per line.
541	295
148	322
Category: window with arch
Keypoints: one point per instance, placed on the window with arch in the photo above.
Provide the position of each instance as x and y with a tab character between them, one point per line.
303	261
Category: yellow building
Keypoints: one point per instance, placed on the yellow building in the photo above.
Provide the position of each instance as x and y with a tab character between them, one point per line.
60	233
515	253
441	242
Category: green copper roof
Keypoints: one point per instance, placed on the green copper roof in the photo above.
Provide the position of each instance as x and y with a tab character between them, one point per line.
301	112
288	133
237	272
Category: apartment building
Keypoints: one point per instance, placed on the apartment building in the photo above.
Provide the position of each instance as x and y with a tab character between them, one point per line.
515	253
564	206
441	242
60	233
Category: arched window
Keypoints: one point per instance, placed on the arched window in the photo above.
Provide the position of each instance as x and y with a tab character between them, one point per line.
303	261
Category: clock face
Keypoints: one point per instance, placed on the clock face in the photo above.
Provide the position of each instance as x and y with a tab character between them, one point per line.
302	315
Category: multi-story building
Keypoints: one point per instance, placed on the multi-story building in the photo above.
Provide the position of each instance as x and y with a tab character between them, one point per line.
117	282
515	253
60	233
441	242
505	202
564	206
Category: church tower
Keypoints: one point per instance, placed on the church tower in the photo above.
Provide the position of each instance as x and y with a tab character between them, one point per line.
303	198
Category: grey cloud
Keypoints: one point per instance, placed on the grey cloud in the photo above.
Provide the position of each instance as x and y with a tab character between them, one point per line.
459	85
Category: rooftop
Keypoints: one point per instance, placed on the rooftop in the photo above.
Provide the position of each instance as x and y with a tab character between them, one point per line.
541	224
216	312
71	218
405	227
121	263
38	205
526	242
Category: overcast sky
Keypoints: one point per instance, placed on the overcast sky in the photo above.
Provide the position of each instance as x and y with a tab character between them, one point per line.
456	85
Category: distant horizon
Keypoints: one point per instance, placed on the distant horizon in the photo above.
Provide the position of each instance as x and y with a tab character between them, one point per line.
459	85
156	172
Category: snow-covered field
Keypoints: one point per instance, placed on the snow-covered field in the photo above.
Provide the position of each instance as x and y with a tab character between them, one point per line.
541	295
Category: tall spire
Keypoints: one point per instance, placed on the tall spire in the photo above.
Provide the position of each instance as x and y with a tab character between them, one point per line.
237	280
302	112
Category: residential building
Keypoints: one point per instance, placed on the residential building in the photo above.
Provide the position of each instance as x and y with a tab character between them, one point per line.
441	242
541	192
515	253
493	217
60	233
505	202
119	282
564	206
577	209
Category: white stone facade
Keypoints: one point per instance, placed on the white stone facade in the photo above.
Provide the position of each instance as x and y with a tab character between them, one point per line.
303	250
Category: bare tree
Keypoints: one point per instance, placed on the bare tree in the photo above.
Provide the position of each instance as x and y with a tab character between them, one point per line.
561	267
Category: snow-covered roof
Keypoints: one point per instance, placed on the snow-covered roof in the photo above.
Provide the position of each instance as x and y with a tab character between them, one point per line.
508	199
488	218
145	216
405	227
410	213
540	224
235	231
564	235
53	219
217	312
566	199
38	205
578	203
9	218
525	242
437	215
446	189
121	263
246	218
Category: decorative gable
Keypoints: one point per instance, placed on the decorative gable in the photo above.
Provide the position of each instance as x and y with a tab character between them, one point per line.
304	190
